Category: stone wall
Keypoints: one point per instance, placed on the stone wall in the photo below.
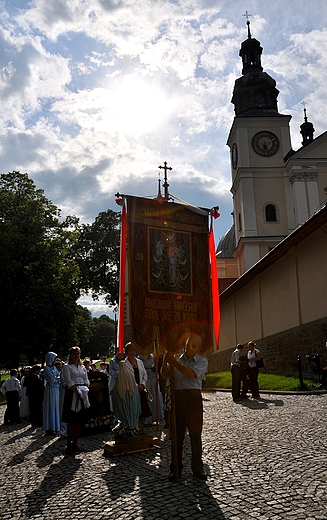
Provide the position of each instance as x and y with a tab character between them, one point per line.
281	351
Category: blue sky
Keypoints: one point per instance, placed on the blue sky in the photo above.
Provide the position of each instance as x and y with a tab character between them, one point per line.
96	94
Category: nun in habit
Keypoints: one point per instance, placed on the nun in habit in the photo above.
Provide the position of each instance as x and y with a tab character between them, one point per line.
51	415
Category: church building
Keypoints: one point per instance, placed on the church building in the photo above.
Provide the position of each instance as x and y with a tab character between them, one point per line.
271	263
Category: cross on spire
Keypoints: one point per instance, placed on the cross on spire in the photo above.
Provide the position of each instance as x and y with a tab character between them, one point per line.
165	184
247	15
304	110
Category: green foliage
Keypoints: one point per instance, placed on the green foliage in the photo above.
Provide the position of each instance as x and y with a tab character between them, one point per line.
38	275
266	382
103	339
97	254
45	264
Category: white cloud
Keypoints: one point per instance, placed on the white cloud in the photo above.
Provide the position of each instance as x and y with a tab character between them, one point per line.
96	94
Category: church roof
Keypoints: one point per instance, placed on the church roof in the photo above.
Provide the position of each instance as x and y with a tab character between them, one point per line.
227	244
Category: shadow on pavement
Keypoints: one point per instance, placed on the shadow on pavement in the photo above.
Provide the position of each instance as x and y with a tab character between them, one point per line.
51	485
187	498
261	403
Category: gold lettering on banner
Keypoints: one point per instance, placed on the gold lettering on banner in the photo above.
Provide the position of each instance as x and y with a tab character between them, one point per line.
186	307
153	303
156	309
194	219
151	314
189	316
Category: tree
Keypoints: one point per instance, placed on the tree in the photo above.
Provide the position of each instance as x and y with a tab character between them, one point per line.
38	275
83	329
103	340
97	254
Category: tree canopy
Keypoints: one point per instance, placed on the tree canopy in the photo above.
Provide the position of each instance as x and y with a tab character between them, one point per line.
46	262
97	255
38	276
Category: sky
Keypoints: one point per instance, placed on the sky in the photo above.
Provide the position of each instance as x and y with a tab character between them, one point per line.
96	94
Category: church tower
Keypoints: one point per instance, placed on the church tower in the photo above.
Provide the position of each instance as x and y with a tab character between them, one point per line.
259	140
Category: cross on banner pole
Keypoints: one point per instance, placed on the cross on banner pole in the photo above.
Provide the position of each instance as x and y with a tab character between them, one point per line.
165	184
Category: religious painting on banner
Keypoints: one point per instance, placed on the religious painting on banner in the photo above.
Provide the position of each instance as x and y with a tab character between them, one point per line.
169	274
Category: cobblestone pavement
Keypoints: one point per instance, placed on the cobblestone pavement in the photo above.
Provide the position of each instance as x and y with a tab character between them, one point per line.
265	459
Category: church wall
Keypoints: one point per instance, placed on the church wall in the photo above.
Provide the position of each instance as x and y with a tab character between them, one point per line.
312	261
270	189
280	351
283	307
228	327
240	317
279	296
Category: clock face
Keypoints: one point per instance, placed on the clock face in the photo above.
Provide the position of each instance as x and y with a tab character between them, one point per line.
265	143
234	156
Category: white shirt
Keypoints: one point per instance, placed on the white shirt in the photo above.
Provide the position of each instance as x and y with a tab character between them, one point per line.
235	360
75	375
251	356
10	385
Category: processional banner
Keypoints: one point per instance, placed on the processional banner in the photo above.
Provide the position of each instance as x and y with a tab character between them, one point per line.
169	283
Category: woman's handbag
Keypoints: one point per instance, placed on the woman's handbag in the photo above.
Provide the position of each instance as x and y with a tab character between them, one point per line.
149	396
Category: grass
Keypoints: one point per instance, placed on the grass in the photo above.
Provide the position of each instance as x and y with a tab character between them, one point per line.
266	382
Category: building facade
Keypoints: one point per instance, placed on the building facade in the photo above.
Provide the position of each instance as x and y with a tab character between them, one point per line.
280	235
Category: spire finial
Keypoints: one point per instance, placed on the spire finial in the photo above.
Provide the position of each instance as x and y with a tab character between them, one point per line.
159	196
306	129
304	111
247	15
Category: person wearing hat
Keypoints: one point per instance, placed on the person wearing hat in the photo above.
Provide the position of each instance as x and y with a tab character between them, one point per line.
253	356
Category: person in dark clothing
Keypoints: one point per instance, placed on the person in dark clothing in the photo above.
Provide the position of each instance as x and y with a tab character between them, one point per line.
35	392
13	391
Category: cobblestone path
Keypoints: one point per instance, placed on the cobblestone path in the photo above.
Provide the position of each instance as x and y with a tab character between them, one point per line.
265	460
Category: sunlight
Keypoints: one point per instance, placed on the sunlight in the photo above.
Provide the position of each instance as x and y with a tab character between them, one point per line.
138	108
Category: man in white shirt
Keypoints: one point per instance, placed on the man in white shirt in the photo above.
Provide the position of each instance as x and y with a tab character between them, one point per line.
189	371
235	366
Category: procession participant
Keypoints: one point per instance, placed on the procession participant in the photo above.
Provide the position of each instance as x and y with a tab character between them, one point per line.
253	356
76	399
51	416
235	366
189	370
35	394
12	389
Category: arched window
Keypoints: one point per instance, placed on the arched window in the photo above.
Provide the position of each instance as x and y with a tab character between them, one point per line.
239	222
270	213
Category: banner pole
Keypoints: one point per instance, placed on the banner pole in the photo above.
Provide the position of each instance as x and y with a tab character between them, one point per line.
156	357
121	315
173	429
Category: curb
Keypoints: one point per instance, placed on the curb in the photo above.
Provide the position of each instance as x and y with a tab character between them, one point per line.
276	392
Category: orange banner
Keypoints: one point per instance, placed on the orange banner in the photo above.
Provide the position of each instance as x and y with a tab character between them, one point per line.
169	274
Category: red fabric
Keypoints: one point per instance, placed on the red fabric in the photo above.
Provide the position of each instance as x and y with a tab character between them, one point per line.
214	285
121	315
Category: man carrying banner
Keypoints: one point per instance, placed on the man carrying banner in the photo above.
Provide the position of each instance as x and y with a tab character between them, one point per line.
188	373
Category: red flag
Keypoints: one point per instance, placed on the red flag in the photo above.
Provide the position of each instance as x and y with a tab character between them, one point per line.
214	285
121	315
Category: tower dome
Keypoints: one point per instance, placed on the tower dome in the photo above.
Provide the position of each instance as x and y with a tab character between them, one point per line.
227	244
255	93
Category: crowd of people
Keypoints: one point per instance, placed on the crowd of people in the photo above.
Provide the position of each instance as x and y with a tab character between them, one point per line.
141	390
56	397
